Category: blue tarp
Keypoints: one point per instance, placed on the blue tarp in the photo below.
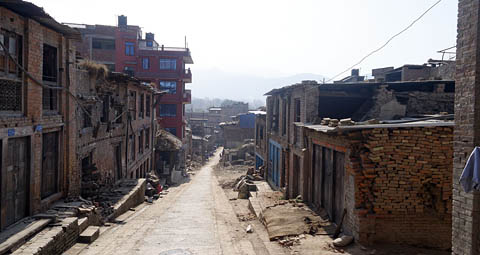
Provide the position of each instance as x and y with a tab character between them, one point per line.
247	120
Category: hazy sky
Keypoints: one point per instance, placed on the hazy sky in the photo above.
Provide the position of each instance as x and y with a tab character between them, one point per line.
280	37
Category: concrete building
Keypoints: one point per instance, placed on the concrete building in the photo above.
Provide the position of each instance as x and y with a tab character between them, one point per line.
36	111
232	110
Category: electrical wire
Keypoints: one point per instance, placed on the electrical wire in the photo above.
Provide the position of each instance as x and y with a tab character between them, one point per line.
388	41
40	83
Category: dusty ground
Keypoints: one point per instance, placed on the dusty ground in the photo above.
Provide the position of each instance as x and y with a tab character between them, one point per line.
307	244
194	218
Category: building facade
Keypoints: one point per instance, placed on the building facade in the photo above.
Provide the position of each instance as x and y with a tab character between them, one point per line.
116	125
37	156
124	49
393	181
260	139
466	213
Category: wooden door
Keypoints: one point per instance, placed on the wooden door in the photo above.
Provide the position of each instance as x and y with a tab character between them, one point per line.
49	164
295	177
339	173
16	180
118	161
317	175
328	183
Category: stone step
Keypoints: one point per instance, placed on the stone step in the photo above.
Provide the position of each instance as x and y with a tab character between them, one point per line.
89	235
82	224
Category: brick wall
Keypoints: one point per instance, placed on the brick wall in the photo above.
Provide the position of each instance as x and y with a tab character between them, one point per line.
235	136
397	183
466	213
32	122
404	175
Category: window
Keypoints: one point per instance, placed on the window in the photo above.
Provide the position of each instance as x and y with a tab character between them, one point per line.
111	67
140	142
50	100
49	63
104	44
149	43
118	114
133	104
170	86
106	109
50	71
129	49
129	70
13	43
261	132
147	106
10	96
168	110
87	164
147	138
145	63
132	147
141	105
297	110
172	131
49	164
168	64
87	112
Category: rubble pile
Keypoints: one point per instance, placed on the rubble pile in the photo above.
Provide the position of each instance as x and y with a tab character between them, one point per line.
244	184
243	155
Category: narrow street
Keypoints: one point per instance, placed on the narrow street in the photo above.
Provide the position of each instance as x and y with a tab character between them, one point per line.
194	218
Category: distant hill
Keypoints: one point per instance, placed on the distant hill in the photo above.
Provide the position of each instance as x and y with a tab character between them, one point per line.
218	84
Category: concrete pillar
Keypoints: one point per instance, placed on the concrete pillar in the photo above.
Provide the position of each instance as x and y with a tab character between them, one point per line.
466	213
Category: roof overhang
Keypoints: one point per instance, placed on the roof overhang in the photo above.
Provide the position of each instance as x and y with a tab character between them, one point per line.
37	13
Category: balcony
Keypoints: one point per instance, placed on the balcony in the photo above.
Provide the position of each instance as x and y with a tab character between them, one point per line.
187	75
187	96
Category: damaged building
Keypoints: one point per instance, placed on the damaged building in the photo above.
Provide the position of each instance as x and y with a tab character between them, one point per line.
237	131
393	181
299	152
116	125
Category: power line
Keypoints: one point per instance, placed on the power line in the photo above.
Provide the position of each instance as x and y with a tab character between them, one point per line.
388	41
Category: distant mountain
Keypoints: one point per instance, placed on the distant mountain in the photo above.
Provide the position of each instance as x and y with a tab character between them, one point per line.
219	84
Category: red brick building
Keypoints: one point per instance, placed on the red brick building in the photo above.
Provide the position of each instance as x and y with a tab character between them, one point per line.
123	49
37	156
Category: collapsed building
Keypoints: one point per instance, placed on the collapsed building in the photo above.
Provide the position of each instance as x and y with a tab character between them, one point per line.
115	127
236	132
347	146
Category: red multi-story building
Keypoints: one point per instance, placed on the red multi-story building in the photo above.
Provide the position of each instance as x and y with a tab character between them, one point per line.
122	48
